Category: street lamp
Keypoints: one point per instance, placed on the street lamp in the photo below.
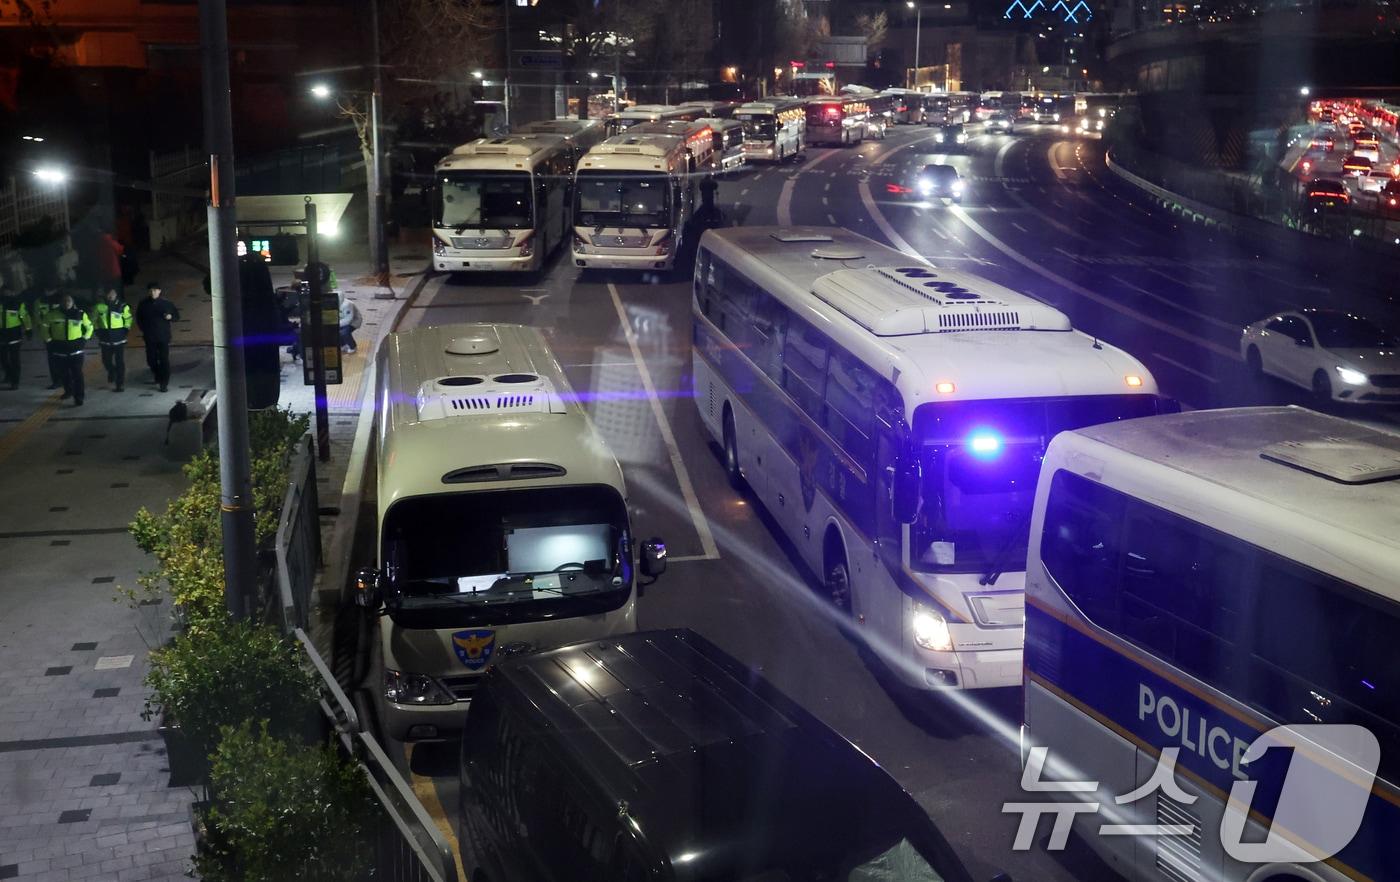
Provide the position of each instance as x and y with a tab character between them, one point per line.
51	174
378	247
918	32
1305	91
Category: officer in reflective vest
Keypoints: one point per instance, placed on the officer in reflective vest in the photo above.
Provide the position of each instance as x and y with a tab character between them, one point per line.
49	301
112	316
15	325
66	331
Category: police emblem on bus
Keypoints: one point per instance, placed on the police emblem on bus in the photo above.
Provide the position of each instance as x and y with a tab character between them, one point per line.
474	648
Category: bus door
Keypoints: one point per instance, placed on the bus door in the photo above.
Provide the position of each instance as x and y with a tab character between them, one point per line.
551	201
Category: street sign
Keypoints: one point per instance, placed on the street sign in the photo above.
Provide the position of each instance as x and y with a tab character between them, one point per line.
329	341
539	59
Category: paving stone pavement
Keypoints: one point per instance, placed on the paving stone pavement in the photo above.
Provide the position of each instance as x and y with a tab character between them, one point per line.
84	779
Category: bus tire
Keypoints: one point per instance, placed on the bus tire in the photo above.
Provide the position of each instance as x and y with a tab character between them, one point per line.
732	469
1321	388
836	575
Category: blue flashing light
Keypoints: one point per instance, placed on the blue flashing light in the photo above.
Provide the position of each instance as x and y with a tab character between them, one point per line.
984	444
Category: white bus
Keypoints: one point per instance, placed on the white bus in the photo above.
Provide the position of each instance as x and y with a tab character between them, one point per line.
1197	580
698	135
502	520
729	142
633	195
710	109
646	113
837	120
581	134
774	129
891	417
501	203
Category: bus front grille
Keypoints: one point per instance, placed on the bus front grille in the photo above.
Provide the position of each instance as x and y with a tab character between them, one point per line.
1178	857
461	687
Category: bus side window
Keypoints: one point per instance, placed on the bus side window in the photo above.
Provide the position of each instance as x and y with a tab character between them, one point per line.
850	394
804	366
1080	545
712	304
769	320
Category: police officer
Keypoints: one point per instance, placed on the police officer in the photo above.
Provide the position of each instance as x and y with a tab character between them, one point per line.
15	325
66	332
48	301
112	316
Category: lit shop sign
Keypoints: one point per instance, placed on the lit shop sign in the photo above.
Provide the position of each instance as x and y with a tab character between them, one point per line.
1077	11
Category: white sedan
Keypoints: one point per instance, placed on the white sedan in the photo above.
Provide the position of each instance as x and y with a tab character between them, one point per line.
1337	355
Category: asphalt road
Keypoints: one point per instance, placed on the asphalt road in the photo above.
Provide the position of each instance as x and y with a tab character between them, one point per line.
1042	214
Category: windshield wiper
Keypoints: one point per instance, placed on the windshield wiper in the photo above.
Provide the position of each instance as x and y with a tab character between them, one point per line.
1006	553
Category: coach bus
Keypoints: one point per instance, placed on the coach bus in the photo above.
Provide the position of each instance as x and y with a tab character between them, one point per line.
502	520
580	134
633	197
646	113
1196	581
774	128
838	120
501	203
728	142
949	107
891	417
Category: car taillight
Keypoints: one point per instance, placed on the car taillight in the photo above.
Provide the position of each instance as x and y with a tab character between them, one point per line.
527	245
666	243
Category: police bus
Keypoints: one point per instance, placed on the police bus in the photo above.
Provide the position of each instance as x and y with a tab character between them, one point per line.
502	520
646	113
501	203
774	128
838	120
728	142
1197	580
891	417
633	196
580	134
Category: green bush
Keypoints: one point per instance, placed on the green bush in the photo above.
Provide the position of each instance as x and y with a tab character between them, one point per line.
240	671
186	539
281	811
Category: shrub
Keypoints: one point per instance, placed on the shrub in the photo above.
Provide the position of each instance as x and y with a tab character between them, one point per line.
236	672
281	811
186	539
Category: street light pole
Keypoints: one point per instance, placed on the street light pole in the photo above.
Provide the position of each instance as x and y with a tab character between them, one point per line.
918	32
235	473
378	246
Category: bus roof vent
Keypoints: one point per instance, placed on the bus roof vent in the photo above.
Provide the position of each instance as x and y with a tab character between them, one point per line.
504	471
483	342
896	301
487	396
837	252
798	234
1359	459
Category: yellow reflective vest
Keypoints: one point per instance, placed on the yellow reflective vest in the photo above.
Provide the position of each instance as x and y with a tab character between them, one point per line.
66	325
113	320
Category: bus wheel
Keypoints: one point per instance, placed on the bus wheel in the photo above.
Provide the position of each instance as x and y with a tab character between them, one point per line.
838	585
731	453
1255	362
1322	388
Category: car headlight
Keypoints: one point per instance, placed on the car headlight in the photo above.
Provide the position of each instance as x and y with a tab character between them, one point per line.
925	187
931	630
1057	117
957	186
414	689
938	138
580	244
1351	376
962	139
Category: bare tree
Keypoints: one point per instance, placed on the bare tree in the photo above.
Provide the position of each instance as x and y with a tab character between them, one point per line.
874	28
439	39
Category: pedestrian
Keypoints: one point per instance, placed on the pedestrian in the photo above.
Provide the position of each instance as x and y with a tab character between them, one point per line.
49	302
154	316
109	261
66	331
709	214
15	325
350	322
112	316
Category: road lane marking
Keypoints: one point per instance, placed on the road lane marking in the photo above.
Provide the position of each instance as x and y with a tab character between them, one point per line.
999	171
1190	370
668	437
878	216
426	791
1228	326
831	219
1028	263
1021	228
785	197
825	201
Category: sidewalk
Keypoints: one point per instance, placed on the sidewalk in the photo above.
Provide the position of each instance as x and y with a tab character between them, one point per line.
83	778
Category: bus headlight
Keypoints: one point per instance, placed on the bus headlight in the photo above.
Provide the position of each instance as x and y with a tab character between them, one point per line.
580	244
931	630
439	246
527	245
1351	377
962	139
938	137
416	689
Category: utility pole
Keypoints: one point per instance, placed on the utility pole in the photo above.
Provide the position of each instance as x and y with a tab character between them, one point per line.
235	472
317	277
918	32
378	246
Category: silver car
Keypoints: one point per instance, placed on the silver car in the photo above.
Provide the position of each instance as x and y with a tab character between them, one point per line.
1335	354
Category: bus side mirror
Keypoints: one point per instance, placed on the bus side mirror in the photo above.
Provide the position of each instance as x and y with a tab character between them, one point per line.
367	589
653	557
906	490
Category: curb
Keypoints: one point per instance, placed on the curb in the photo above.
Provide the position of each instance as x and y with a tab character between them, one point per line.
1189	209
337	558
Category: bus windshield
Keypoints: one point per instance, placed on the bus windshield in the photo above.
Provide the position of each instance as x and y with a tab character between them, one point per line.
622	200
825	114
980	463
759	127
508	555
484	200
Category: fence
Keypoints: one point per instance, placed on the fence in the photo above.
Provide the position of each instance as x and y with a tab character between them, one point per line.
404	844
175	215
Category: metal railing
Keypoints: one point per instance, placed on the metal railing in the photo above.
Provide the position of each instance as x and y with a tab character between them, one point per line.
404	844
23	203
298	544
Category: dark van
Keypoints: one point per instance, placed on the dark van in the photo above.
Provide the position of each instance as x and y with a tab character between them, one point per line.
655	756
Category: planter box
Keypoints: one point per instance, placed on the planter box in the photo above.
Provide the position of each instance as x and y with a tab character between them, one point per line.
188	764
